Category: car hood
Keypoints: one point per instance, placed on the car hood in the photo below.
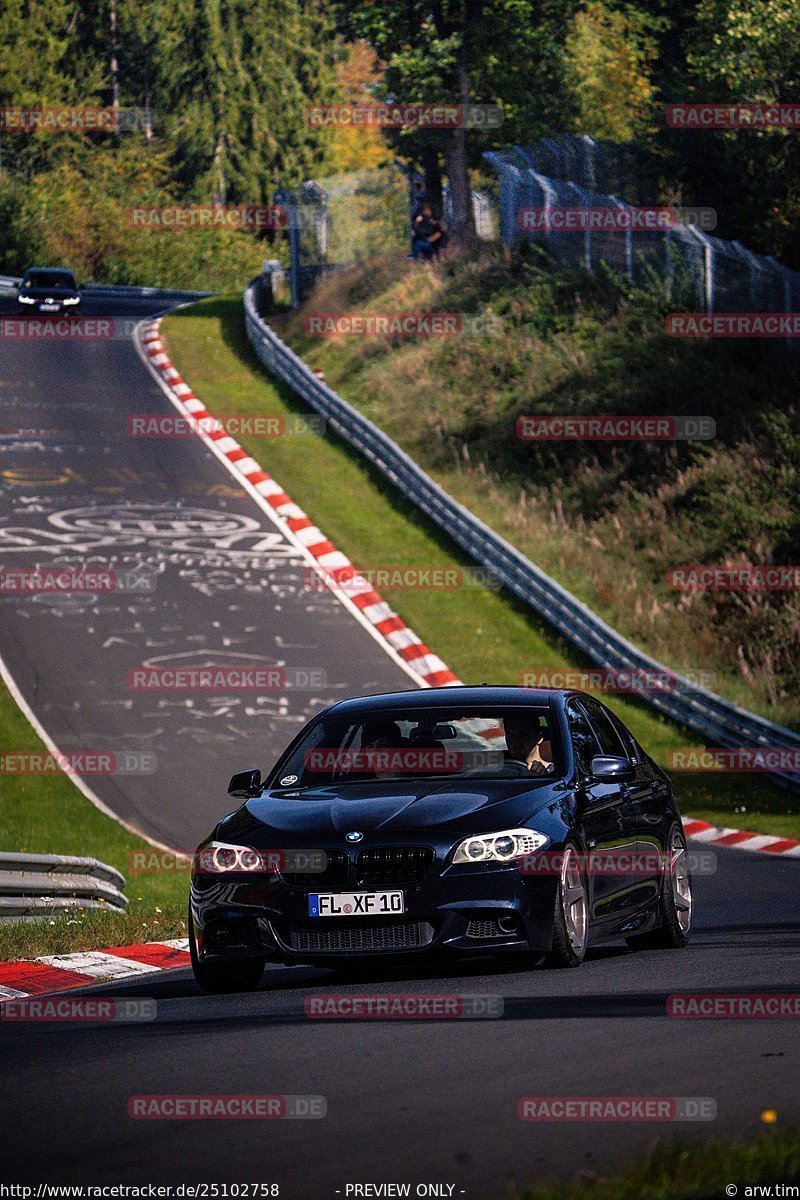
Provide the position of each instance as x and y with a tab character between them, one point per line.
393	808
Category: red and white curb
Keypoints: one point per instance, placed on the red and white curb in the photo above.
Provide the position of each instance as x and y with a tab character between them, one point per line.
425	667
60	972
428	668
740	839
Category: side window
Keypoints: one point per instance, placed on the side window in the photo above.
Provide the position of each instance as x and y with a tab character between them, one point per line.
601	720
584	739
632	751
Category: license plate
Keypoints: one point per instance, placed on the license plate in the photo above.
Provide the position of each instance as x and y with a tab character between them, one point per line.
49	307
355	904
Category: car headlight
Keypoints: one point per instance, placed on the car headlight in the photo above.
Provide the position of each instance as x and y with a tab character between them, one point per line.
217	858
499	847
26	299
73	300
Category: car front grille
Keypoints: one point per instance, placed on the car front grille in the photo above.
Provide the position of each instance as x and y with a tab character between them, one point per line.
334	875
327	936
389	866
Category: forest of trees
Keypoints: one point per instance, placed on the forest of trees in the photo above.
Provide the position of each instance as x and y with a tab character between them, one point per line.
224	87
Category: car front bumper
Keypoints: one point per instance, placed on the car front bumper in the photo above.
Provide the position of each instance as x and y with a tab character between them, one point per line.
462	910
40	308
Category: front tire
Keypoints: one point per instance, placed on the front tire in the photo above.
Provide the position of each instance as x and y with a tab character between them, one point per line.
676	901
216	978
571	917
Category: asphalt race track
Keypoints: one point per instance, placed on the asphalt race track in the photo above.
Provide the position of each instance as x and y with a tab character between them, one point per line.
212	583
416	1101
419	1101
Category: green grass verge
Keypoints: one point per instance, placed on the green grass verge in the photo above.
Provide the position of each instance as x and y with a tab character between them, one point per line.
46	814
676	1172
481	634
609	521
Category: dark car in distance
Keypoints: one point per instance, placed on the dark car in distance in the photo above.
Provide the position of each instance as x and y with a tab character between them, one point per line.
449	820
48	290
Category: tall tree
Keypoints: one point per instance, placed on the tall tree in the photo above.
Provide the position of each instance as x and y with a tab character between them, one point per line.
504	52
236	93
39	68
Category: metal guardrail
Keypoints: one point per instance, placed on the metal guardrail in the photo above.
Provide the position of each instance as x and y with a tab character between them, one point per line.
718	721
38	885
121	291
124	291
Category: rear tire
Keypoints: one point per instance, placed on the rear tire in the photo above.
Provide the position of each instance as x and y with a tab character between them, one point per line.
571	916
232	975
675	907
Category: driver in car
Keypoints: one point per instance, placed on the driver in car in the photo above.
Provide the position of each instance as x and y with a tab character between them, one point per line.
375	737
527	746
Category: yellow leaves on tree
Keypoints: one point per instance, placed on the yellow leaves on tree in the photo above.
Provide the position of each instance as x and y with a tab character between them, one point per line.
608	67
357	148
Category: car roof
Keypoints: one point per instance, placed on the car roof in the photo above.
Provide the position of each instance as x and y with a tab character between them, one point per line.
444	697
49	271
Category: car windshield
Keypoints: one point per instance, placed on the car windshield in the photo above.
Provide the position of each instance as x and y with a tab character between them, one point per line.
420	743
49	279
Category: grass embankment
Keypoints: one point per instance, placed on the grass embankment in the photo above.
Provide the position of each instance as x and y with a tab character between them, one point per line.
481	634
608	520
46	814
702	1172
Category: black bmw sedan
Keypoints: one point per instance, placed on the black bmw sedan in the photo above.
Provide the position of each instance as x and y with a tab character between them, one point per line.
48	290
451	820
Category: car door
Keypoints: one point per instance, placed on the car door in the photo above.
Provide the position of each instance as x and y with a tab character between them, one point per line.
648	793
600	815
638	853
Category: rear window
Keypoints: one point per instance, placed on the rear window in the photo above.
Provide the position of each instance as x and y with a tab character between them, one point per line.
604	728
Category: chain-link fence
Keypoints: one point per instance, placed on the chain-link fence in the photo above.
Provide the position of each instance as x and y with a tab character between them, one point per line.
578	175
343	220
347	219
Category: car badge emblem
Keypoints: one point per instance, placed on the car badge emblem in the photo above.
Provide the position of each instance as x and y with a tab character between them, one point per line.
355	836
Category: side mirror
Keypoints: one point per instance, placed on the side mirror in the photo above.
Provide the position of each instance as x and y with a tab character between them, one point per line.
607	768
245	784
